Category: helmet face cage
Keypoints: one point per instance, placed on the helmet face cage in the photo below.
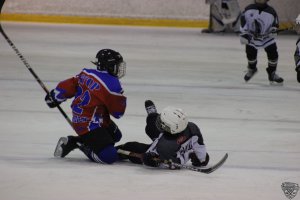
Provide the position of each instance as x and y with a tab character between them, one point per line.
119	70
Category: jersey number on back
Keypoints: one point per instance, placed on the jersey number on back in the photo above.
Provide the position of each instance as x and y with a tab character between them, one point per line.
81	99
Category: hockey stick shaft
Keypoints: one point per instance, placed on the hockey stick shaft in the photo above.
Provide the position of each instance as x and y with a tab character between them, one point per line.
129	153
22	58
285	29
140	156
278	30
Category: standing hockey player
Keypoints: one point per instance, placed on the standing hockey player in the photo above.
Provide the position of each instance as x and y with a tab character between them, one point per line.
297	52
97	94
224	16
259	25
174	138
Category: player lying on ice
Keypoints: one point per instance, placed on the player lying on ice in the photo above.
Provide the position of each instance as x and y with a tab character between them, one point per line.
97	94
174	139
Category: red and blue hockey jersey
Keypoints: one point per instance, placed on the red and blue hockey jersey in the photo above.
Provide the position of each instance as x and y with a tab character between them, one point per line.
97	95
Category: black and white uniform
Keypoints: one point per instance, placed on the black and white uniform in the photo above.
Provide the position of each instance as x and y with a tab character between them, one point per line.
258	21
297	59
179	147
167	146
297	55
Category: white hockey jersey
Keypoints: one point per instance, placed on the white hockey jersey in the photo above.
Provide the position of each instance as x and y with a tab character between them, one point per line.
258	22
179	148
297	54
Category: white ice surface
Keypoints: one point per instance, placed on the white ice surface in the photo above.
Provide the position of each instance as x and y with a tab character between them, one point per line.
257	124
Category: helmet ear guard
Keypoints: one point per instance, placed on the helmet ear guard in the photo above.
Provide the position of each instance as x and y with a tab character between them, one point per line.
172	120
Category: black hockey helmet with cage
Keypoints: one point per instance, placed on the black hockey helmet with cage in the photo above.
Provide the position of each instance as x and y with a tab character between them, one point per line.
110	61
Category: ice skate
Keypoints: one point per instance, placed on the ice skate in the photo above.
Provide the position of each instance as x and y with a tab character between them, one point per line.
274	78
65	145
250	73
150	107
206	31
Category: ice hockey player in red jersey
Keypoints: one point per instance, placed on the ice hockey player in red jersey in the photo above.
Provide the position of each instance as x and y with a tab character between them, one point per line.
174	138
297	51
97	94
259	25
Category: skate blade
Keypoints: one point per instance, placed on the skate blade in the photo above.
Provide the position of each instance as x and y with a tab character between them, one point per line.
273	83
58	150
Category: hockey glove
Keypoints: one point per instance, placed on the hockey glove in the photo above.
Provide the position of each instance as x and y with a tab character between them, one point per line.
151	159
50	100
196	162
273	32
245	38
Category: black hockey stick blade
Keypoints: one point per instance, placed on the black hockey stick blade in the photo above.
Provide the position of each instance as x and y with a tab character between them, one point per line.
216	166
207	170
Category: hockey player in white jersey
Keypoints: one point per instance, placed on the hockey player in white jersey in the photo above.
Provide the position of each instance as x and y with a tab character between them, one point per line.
259	25
174	139
224	16
297	52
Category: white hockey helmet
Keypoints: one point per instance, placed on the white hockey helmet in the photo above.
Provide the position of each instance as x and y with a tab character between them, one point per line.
297	24
172	120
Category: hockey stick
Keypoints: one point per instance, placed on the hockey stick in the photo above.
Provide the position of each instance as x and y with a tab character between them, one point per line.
285	29
277	31
207	170
22	58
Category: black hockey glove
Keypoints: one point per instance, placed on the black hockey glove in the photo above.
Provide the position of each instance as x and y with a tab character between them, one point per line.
245	38
196	162
151	159
50	100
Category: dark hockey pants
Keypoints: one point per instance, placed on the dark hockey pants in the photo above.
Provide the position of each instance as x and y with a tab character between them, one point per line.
137	147
98	144
272	55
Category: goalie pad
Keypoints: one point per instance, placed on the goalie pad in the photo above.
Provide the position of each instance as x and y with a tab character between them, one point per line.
225	16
